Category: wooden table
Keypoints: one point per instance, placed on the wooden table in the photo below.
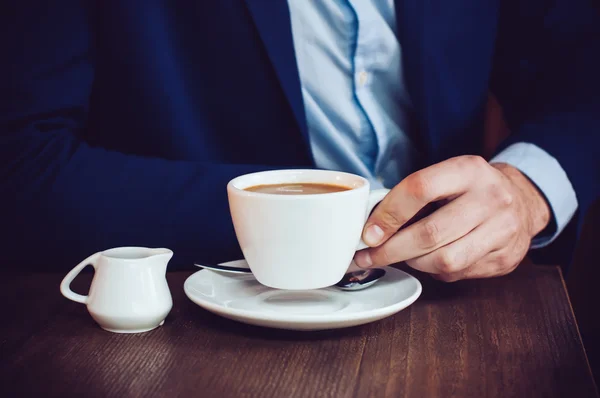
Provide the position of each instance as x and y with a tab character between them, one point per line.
507	337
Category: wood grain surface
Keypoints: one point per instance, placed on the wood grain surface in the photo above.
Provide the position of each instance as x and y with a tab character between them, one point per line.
507	337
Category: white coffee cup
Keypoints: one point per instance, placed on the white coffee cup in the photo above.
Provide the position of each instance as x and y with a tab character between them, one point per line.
300	242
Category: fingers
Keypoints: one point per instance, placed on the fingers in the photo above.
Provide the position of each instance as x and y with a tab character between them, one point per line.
444	226
502	247
498	263
448	179
457	258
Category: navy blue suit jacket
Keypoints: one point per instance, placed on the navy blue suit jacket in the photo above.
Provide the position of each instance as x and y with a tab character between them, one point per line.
121	122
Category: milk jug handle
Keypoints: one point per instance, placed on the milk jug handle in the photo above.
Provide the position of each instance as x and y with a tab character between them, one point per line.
65	285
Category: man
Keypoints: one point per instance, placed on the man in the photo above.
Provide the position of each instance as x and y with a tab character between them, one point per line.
121	124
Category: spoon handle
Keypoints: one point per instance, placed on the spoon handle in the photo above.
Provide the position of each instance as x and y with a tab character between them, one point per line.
223	268
356	280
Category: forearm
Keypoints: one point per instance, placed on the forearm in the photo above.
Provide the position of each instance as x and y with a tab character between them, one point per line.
67	199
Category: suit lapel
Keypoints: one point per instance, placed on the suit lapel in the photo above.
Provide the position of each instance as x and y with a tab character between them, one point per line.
272	21
448	49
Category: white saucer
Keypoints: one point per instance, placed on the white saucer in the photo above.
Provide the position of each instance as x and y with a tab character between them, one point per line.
241	298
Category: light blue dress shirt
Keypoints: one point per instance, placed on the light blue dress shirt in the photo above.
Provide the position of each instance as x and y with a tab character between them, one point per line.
350	65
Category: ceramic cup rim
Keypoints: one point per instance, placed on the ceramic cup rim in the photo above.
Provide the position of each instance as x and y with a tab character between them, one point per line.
354	182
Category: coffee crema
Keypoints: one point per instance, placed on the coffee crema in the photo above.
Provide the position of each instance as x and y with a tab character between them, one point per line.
298	188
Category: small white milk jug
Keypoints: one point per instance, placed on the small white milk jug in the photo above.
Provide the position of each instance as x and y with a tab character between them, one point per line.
129	292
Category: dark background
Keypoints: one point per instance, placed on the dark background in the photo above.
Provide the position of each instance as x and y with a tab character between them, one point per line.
582	277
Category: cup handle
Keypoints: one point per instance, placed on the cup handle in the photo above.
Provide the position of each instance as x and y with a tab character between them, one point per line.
65	285
375	197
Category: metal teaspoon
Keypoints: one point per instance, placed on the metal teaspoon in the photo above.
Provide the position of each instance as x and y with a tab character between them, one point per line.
351	281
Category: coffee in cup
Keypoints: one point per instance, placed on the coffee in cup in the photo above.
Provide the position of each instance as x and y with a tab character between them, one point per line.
297	189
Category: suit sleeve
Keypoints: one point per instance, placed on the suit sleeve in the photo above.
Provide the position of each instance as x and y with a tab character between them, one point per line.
547	78
63	199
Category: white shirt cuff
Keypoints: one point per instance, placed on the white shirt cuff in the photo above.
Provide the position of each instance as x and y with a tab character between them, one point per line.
545	171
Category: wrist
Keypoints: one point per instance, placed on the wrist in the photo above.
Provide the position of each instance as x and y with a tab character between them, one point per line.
537	208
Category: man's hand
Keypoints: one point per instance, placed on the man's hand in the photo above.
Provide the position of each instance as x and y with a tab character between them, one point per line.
484	229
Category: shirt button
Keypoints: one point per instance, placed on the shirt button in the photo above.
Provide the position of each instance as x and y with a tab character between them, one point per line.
362	78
